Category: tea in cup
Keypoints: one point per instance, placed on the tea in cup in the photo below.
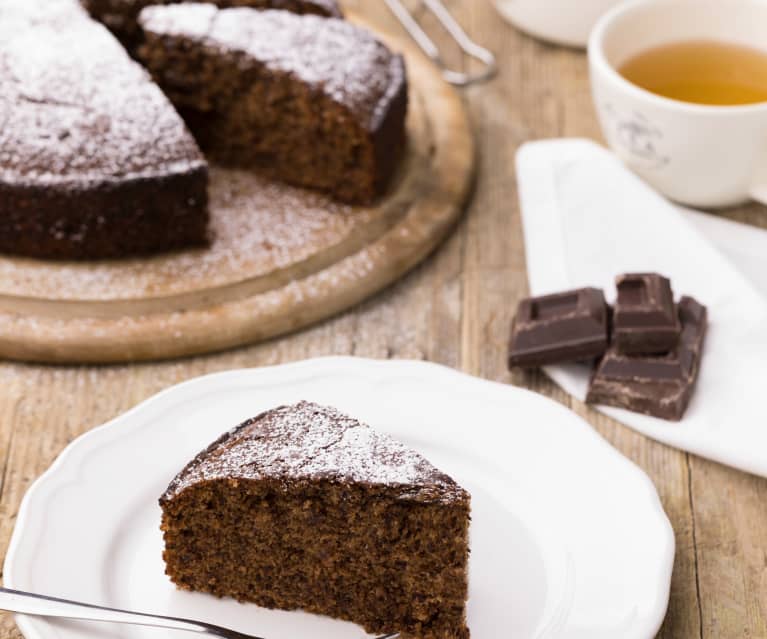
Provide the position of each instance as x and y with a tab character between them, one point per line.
680	87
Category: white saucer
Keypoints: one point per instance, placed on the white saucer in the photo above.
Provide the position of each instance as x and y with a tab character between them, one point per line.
569	539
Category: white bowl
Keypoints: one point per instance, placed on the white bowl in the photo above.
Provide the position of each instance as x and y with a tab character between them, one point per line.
567	22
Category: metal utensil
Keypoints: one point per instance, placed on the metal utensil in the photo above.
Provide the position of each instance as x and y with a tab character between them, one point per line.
31	604
467	45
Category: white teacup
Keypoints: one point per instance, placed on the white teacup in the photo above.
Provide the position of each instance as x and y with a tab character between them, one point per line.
703	156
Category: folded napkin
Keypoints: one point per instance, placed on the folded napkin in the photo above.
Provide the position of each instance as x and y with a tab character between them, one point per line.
745	246
587	219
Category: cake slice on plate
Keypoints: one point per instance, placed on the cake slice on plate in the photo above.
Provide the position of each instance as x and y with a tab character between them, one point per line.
305	508
316	102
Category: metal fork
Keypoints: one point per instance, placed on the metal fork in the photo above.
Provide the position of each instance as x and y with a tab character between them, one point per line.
27	603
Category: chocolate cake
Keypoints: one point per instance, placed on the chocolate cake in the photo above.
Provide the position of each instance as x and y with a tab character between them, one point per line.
305	508
94	160
316	102
121	16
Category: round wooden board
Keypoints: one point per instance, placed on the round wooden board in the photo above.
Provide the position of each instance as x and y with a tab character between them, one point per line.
282	257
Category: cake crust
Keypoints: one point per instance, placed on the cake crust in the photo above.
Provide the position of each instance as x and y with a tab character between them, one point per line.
304	507
121	16
307	441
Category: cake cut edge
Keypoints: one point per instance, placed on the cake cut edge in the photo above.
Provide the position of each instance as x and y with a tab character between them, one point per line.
402	503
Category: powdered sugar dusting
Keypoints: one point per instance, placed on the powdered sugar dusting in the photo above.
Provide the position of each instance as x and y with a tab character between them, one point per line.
347	63
258	227
309	441
121	15
74	108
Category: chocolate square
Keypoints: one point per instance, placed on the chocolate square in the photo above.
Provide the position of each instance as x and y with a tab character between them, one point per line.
657	385
645	319
563	327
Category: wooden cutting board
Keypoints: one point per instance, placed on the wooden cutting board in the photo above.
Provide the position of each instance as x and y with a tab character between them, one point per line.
281	259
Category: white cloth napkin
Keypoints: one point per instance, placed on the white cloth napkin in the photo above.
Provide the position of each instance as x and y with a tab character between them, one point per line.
587	219
744	245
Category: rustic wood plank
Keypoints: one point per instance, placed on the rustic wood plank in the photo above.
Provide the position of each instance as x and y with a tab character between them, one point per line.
668	468
9	401
455	309
731	547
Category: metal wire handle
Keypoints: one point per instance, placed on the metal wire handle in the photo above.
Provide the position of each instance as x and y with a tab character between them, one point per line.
33	604
467	45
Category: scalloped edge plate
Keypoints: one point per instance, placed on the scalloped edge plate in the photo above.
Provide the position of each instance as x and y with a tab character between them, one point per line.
569	539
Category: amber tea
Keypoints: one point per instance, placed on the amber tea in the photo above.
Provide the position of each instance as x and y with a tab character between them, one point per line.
703	72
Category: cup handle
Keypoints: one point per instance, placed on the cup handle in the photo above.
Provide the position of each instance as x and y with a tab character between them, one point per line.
758	193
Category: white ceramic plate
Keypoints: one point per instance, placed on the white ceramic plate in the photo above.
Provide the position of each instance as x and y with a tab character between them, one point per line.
569	539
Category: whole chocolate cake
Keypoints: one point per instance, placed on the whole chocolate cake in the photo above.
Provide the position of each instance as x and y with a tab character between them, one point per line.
305	508
316	102
94	160
121	16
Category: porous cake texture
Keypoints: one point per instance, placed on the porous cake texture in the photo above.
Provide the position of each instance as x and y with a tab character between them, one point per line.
316	102
95	162
305	508
121	16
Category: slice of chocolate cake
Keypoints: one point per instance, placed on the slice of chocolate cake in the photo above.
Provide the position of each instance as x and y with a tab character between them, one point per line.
305	508
121	16
316	102
94	160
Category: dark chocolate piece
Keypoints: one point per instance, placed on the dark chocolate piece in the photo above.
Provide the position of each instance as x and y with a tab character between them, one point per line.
657	385
564	327
645	319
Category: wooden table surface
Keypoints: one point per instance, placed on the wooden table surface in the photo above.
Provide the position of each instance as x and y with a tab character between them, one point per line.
456	310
